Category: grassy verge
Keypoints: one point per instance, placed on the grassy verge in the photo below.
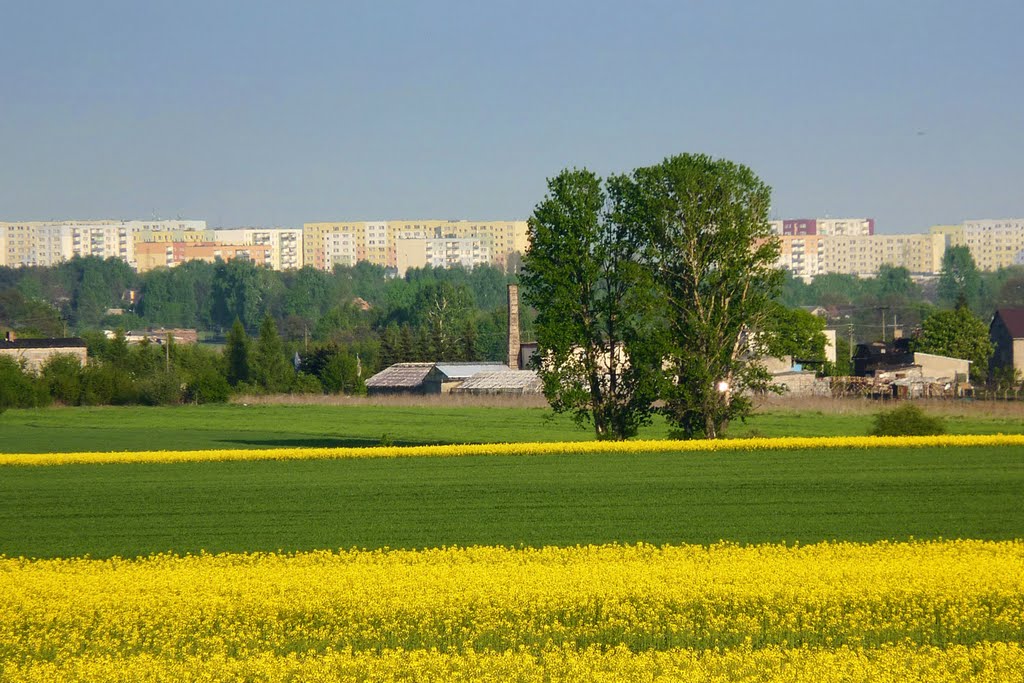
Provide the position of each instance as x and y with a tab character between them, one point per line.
366	424
787	496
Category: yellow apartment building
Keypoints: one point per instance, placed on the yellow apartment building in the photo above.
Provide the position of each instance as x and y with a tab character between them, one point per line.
380	242
995	243
863	255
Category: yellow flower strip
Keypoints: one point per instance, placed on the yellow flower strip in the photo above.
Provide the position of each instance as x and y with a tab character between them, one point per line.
985	663
944	594
526	448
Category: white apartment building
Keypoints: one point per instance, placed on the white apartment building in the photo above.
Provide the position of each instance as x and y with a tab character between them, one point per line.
285	244
448	252
339	249
38	243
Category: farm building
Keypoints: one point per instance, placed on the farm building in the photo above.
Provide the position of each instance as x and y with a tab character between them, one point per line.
448	376
35	352
1006	331
509	383
427	378
400	378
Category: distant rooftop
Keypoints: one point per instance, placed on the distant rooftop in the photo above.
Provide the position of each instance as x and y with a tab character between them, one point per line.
401	375
510	381
467	370
58	343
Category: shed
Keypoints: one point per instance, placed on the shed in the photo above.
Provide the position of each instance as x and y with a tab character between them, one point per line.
400	378
510	382
943	367
446	376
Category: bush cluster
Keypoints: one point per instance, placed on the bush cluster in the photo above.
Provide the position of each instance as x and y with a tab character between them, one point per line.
907	420
153	374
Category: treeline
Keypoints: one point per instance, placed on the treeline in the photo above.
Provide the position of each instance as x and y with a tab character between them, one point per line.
430	314
152	373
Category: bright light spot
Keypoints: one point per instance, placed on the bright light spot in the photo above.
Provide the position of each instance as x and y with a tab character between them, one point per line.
723	386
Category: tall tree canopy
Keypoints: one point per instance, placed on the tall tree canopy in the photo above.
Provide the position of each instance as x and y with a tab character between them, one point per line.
658	282
711	254
958	334
581	273
960	278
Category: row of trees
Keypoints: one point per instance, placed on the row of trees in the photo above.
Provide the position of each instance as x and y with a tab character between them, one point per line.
430	313
119	373
656	286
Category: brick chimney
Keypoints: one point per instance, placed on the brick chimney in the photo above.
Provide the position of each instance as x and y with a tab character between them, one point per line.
513	327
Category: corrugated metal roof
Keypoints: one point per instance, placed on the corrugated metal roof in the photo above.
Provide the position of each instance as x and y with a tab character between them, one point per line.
467	370
401	375
519	381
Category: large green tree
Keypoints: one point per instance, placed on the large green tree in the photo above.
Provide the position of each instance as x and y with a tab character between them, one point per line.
795	332
236	355
581	273
711	253
957	334
960	278
269	368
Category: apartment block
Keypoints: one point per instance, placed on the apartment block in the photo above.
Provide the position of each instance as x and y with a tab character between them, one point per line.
995	243
150	255
953	235
47	243
382	243
809	255
824	226
285	244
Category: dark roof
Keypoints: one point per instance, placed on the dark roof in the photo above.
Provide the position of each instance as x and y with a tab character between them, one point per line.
1013	318
62	343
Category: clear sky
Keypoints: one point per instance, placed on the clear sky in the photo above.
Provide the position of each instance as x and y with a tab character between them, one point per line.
282	113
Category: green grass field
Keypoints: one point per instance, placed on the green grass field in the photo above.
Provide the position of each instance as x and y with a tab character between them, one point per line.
804	496
274	426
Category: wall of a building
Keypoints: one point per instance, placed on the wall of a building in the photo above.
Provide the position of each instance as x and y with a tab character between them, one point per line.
34	359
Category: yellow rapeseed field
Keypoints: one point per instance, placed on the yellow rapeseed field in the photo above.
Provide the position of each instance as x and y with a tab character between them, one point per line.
568	448
923	611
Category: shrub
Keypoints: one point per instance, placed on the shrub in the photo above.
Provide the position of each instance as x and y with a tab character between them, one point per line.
19	389
105	384
207	386
305	383
62	375
161	388
907	420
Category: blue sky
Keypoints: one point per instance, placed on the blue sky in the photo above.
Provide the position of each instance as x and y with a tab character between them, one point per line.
283	113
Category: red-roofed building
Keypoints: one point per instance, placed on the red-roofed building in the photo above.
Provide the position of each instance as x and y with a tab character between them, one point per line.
1007	334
